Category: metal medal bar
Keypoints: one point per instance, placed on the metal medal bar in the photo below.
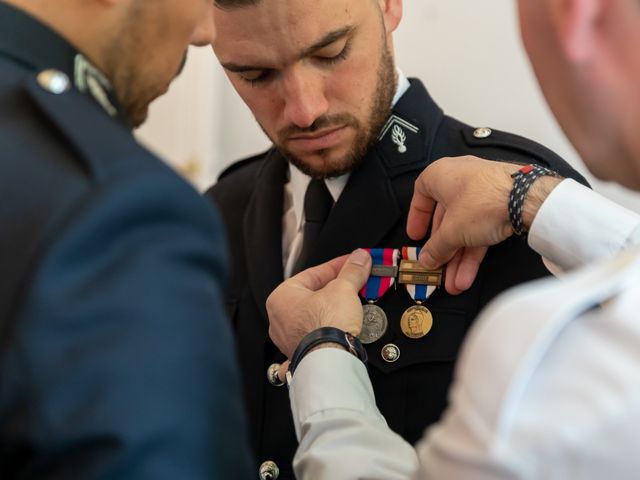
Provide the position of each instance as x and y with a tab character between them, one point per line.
384	271
413	273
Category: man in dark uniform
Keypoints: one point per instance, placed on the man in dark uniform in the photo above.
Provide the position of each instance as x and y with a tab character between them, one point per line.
319	77
115	357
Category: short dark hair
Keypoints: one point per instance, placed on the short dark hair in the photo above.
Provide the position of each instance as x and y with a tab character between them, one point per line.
229	4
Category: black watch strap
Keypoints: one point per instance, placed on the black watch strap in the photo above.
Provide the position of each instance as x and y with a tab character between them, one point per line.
327	335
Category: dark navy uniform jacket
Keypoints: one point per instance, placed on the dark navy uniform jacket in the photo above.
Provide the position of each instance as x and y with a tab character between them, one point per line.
116	359
371	212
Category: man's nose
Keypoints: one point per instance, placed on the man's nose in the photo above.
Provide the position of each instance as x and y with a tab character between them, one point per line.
304	97
205	31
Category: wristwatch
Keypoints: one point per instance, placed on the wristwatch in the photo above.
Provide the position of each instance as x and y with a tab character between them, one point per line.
327	335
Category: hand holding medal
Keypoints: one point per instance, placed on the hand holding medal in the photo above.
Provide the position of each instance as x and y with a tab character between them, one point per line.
312	299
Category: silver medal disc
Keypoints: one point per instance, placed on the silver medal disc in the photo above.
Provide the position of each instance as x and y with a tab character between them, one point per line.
374	324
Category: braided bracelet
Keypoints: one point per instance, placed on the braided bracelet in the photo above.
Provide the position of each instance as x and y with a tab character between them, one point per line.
523	179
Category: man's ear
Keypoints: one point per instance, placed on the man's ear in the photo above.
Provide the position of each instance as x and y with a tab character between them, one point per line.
576	24
392	14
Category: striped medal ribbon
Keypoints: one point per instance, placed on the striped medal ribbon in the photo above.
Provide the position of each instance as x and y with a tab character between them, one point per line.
417	320
383	276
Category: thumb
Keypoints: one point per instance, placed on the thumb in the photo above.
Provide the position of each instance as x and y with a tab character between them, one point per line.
356	269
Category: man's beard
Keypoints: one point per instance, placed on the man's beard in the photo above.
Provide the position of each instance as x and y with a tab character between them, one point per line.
135	92
366	134
134	85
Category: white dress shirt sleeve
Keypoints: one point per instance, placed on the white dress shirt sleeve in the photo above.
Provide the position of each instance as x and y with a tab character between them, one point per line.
341	431
576	226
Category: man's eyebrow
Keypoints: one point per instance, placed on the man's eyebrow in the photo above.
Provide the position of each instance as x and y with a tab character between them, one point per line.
325	41
234	67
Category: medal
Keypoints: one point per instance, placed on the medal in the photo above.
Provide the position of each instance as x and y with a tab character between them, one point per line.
374	323
383	274
417	320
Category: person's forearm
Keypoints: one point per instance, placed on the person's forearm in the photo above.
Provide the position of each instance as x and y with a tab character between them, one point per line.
342	434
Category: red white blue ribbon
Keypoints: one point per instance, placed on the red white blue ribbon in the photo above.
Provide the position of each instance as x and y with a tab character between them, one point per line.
418	292
376	287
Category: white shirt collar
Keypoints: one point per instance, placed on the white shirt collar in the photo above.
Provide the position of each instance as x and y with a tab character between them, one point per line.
403	86
298	181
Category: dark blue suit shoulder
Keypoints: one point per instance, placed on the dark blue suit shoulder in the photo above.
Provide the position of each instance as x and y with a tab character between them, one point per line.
104	147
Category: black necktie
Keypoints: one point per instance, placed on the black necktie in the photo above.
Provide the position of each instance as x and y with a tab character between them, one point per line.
317	205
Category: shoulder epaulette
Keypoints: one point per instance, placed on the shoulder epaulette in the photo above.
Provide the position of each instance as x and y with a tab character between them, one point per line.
489	137
533	152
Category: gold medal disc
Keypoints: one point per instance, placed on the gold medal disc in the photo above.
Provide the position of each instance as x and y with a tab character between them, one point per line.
416	321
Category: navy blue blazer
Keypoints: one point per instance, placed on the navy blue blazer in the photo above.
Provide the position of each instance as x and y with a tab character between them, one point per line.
116	359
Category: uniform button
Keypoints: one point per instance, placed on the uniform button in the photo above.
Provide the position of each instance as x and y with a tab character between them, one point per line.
269	471
54	81
272	375
390	353
483	132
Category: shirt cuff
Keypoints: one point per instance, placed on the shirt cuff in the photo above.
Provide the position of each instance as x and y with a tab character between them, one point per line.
331	379
576	225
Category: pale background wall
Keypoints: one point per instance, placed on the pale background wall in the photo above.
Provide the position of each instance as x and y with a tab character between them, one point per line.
468	54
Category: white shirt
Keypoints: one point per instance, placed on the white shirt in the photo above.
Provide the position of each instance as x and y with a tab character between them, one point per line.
546	386
294	191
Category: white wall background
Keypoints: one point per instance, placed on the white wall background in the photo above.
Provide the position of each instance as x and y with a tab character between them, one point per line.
468	54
